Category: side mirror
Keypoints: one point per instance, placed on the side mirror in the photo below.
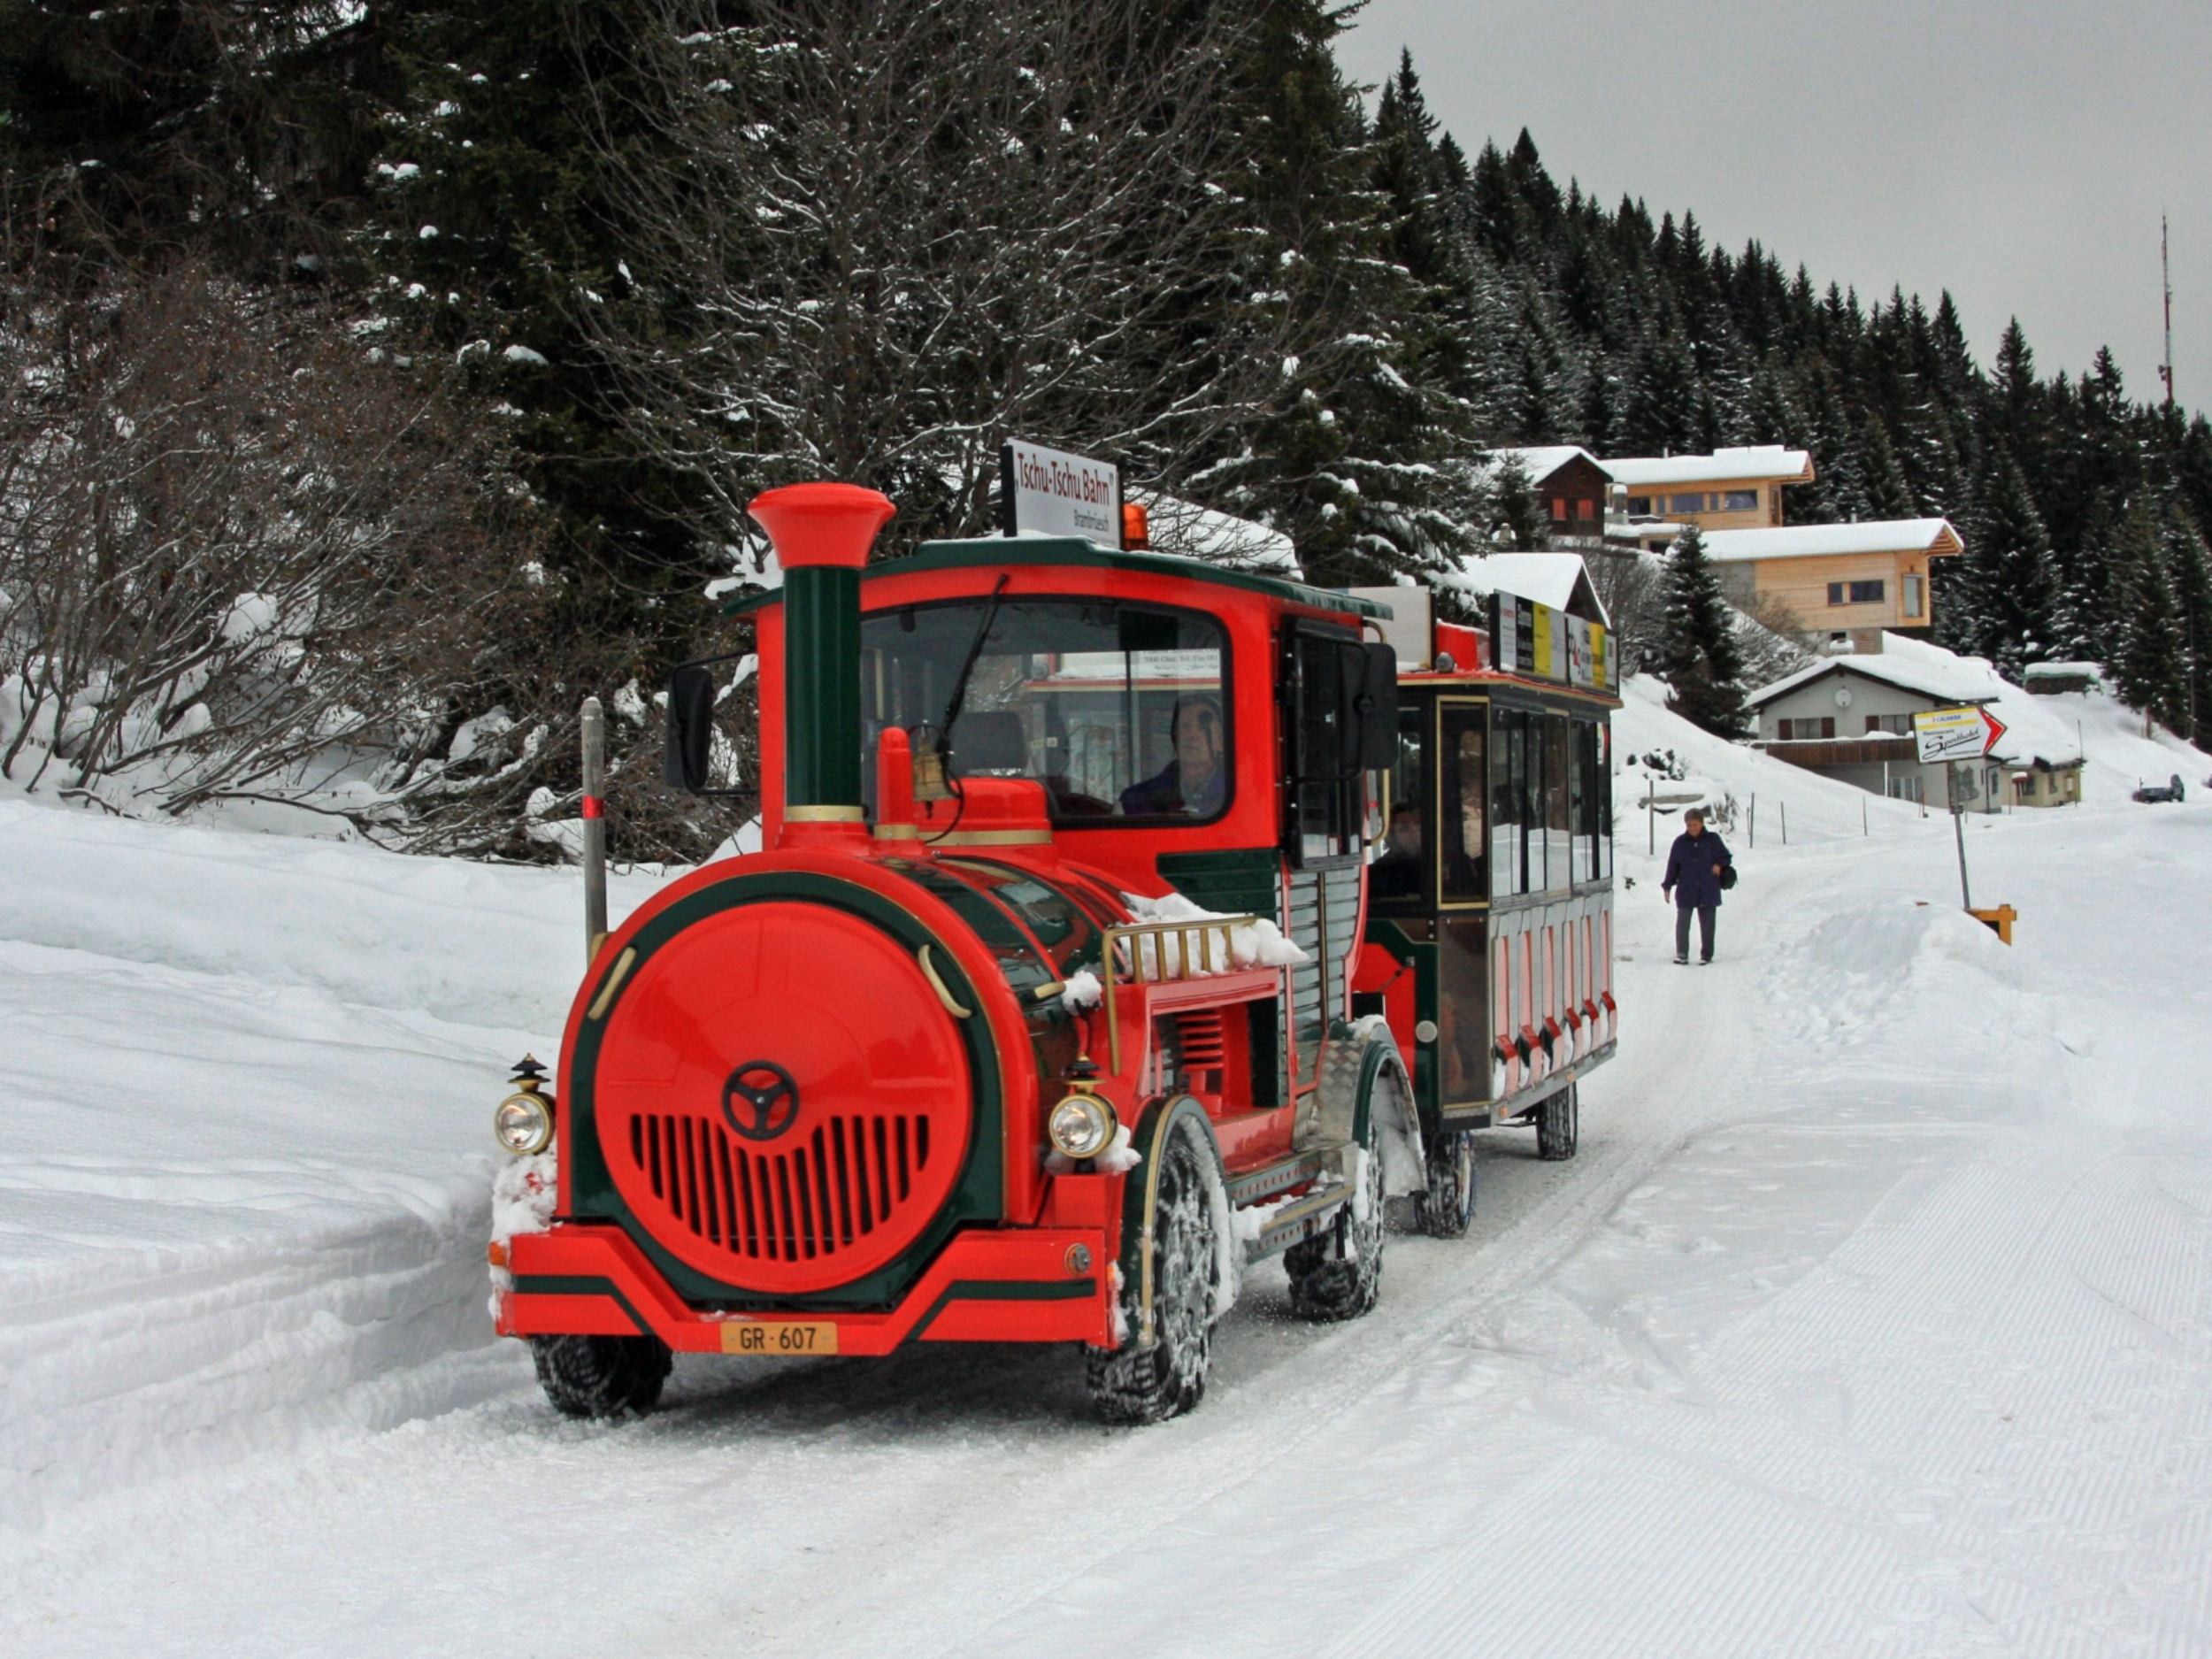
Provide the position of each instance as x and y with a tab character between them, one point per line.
690	728
1375	708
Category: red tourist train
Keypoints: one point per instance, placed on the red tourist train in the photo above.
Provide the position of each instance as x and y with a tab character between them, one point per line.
1121	920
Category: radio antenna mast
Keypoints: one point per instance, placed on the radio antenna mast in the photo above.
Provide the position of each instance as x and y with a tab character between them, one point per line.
2166	275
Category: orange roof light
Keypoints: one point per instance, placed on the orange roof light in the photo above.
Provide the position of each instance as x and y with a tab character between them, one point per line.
1136	527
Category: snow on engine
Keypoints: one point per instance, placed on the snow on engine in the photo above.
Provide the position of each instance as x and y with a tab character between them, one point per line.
1083	964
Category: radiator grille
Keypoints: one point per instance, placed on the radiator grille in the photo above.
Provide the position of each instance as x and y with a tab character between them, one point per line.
806	1199
1203	1047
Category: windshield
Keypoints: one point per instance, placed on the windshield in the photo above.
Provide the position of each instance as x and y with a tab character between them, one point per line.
1118	710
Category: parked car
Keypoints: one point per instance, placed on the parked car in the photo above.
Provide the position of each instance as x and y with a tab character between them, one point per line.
2170	790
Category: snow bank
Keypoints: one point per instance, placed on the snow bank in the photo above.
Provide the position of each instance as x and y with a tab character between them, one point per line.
246	1166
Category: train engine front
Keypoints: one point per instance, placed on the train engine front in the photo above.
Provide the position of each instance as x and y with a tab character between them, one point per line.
1032	1021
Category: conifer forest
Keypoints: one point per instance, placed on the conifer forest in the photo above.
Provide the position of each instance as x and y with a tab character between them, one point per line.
384	375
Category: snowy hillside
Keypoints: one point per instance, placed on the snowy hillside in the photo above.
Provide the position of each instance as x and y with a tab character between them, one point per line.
1875	1318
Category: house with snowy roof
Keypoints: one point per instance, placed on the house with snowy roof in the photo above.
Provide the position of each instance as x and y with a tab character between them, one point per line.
1842	586
1850	718
1560	581
1572	484
1729	489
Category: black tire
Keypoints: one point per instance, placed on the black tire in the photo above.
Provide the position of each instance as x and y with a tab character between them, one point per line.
1337	1274
1446	1209
1134	1385
602	1375
1559	1125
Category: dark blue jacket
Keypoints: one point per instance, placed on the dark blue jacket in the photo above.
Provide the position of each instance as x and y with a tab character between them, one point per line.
1690	869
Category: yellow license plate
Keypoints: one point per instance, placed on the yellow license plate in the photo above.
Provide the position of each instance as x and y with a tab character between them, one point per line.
787	1338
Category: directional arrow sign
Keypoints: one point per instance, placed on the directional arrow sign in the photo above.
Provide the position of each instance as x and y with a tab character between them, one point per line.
1947	735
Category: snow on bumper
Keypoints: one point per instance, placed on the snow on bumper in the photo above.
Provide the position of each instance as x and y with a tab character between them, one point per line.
1026	1285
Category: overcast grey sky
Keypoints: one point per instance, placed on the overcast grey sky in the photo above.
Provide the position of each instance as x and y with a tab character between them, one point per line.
2017	152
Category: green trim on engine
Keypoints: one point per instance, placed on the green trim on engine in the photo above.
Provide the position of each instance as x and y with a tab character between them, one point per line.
976	1197
821	716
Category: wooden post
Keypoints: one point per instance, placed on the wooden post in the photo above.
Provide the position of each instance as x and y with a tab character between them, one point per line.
595	722
1755	820
1786	823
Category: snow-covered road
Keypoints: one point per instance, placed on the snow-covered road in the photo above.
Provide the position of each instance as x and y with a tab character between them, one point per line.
1875	1318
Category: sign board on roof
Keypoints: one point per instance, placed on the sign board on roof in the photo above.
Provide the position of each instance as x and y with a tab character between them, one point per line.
1949	734
1540	642
1049	492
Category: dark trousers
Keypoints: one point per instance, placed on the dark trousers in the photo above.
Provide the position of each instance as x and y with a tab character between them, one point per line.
1704	929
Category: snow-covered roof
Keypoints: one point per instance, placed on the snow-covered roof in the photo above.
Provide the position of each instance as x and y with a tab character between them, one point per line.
1541	461
2033	733
1548	579
1639	530
1760	461
1219	538
1932	536
1942	683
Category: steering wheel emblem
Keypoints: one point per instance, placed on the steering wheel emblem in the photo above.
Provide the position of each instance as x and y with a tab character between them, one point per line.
760	1100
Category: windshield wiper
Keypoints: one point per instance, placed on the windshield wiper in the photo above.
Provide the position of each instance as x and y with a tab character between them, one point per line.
959	697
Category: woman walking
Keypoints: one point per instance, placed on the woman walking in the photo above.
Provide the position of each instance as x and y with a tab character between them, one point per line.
1696	867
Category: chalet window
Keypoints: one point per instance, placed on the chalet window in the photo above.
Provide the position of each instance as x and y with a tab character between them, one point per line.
1585	508
1639	506
1687	504
1913	603
1805	730
1741	501
1897	724
1857	592
1559	508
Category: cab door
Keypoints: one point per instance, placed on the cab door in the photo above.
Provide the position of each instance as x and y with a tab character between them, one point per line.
1426	964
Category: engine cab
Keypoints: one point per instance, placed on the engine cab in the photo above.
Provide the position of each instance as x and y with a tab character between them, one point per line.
1057	994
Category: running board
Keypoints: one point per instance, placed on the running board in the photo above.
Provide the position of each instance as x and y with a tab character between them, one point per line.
1302	1217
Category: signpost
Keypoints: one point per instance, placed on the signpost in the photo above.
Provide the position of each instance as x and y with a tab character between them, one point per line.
1945	735
1049	492
1954	737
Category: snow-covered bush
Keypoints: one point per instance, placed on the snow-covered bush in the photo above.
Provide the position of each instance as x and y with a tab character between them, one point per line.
243	562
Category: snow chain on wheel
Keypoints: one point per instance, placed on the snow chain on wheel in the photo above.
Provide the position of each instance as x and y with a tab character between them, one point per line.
1447	1206
1559	1125
602	1375
1134	1385
1337	1274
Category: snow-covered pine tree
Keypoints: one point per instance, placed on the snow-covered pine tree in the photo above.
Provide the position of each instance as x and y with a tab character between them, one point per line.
1518	519
2189	572
1662	415
2082	623
2149	666
1698	654
2010	591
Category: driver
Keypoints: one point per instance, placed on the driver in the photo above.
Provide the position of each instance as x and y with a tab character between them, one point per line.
1397	873
1196	782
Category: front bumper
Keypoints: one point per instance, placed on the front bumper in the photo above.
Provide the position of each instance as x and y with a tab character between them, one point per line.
1012	1285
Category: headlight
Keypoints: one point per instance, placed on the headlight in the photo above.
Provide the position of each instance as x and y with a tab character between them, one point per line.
1081	1127
524	1124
